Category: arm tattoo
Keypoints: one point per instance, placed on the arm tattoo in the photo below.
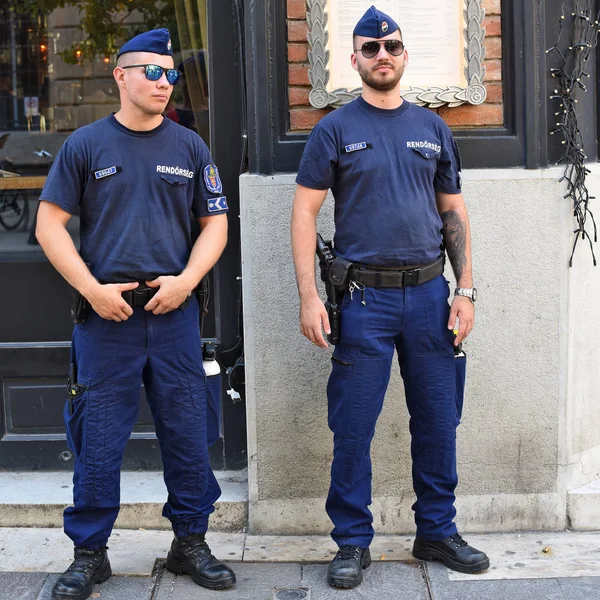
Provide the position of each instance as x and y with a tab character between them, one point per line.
454	234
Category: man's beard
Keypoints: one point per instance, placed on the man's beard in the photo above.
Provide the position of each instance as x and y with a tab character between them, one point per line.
369	78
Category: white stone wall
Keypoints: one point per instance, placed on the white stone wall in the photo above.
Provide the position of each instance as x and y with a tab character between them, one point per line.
582	378
531	411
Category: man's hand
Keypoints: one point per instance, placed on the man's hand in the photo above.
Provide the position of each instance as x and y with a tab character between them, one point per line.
171	295
463	308
106	300
313	319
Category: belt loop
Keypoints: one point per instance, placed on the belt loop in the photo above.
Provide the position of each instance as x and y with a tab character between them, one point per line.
377	279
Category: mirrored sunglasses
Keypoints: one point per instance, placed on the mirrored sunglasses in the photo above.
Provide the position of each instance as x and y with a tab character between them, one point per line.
371	49
154	73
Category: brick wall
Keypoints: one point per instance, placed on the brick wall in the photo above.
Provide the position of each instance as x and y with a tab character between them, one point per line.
304	117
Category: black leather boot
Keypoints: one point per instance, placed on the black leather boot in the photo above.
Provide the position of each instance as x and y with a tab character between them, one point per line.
346	569
454	552
88	568
191	555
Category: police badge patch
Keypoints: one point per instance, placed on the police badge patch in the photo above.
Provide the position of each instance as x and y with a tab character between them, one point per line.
212	180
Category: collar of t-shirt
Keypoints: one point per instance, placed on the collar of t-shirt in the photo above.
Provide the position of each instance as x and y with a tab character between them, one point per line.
149	133
383	112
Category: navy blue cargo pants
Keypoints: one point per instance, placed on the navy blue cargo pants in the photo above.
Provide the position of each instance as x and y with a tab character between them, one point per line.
163	351
414	320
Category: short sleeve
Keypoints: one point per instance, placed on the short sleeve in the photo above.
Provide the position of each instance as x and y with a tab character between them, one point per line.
67	179
209	199
319	160
448	174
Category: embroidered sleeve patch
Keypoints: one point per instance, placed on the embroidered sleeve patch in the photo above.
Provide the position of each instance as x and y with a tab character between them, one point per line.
216	204
212	179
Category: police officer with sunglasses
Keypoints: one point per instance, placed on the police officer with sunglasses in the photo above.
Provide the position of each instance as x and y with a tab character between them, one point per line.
394	170
135	178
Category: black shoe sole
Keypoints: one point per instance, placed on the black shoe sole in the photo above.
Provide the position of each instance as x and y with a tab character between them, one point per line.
176	567
101	578
346	584
432	554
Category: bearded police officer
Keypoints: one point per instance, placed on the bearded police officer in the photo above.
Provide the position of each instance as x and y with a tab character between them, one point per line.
394	170
135	178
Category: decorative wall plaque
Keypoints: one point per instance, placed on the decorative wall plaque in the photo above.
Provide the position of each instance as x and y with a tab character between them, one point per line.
444	39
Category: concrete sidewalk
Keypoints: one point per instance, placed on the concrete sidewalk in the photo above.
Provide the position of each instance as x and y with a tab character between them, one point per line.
536	566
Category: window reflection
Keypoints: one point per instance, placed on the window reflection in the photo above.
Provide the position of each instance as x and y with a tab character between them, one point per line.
193	110
56	76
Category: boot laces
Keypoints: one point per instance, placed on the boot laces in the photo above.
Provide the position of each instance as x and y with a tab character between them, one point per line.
85	561
348	553
457	541
197	547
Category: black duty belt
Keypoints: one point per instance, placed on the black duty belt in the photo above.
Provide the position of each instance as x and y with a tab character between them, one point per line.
140	296
382	277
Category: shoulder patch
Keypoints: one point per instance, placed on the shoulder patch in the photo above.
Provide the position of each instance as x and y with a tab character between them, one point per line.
212	179
216	204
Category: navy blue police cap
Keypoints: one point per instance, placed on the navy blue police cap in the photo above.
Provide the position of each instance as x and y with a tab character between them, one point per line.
375	24
157	41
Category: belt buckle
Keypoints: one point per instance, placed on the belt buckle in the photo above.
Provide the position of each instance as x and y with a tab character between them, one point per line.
141	297
410	278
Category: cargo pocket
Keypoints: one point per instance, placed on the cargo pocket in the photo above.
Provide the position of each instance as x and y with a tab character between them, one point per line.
339	392
460	364
75	421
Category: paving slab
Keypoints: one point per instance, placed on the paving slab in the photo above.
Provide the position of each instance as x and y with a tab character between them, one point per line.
21	586
538	555
319	548
272	548
254	582
131	552
443	588
116	588
581	588
382	581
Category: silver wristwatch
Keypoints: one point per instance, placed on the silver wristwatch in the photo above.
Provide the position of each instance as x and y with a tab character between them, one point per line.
470	293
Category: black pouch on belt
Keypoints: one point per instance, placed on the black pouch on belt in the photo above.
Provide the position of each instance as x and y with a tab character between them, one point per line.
338	273
80	307
336	286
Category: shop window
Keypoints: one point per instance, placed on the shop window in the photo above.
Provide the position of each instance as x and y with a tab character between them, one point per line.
56	63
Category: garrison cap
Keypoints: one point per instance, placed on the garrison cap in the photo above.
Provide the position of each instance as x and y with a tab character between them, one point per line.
157	41
375	24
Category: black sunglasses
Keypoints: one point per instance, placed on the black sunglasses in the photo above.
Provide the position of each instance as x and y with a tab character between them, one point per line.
154	73
371	49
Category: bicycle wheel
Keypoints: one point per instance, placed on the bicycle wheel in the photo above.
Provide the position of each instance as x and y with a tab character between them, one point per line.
14	211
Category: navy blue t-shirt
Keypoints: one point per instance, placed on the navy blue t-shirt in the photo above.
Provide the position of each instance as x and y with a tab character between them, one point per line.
383	167
135	191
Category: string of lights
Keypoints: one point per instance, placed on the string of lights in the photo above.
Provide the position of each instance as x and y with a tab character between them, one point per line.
570	75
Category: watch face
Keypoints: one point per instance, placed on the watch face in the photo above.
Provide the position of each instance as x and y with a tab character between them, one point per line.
474	296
